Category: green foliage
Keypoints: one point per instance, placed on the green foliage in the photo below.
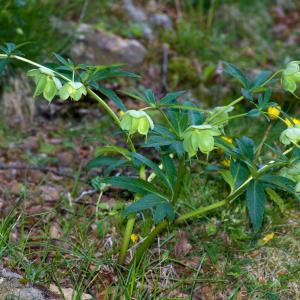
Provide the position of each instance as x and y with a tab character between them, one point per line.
180	133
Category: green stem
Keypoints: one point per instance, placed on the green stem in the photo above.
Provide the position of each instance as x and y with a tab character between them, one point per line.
126	239
168	121
148	241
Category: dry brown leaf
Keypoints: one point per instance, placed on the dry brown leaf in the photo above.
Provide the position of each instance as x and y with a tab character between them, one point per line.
69	293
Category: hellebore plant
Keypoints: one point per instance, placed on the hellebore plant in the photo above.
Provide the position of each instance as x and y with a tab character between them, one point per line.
179	133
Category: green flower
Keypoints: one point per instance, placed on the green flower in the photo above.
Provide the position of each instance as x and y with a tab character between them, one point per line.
136	121
46	83
292	173
291	76
72	89
199	137
219	115
290	135
297	188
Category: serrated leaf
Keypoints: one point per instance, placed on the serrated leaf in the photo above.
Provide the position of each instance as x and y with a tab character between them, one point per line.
279	182
134	185
162	211
3	63
111	95
245	148
159	173
276	199
239	172
170	97
260	79
61	59
236	73
149	96
256	199
161	207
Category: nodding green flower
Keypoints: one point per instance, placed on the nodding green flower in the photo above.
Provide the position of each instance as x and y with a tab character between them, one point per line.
199	137
290	135
291	76
72	89
136	121
219	115
292	173
46	83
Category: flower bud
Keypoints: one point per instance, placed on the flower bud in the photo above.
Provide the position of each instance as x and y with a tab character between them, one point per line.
274	112
136	121
72	89
199	137
291	76
290	135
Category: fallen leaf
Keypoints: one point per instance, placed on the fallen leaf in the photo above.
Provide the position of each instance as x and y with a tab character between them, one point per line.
68	293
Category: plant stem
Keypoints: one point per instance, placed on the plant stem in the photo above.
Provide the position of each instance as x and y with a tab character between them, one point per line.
126	239
148	241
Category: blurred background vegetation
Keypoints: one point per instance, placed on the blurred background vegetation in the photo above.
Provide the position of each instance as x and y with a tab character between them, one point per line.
196	34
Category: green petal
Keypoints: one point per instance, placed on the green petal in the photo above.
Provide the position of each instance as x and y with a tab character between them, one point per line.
50	89
143	127
206	143
40	86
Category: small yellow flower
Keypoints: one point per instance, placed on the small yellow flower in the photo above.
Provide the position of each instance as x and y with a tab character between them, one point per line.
134	237
274	112
121	113
266	238
226	163
290	124
227	139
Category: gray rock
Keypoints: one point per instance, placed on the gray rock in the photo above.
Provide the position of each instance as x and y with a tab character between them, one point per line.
11	288
161	20
99	46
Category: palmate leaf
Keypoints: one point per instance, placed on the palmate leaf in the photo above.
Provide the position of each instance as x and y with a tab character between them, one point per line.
107	72
279	182
111	95
236	73
159	173
239	172
170	97
260	79
161	207
244	149
256	199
